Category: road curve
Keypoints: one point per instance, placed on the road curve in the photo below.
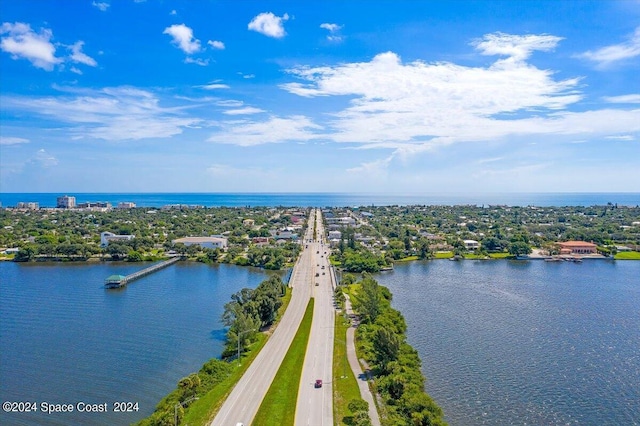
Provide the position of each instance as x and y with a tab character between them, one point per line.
243	402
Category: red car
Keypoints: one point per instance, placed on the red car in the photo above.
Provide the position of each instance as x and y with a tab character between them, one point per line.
318	383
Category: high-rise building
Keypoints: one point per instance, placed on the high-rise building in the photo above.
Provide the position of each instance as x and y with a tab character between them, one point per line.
66	202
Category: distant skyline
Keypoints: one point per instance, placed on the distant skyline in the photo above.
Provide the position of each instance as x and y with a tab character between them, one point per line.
282	96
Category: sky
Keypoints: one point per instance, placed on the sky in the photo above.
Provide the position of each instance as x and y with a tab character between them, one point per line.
326	96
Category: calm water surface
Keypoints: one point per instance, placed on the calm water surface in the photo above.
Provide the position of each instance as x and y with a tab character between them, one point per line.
535	343
65	339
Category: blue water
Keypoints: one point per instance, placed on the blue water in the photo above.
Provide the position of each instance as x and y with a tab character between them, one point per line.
525	343
65	339
332	199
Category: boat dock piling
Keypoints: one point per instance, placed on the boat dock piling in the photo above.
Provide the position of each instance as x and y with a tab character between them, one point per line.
117	281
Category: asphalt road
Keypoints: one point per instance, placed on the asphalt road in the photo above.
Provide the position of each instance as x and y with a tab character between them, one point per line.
244	401
315	405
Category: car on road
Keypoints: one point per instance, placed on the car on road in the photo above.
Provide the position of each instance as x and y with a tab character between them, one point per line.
317	284
318	383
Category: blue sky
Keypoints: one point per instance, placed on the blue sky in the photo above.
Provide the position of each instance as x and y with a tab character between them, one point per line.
279	96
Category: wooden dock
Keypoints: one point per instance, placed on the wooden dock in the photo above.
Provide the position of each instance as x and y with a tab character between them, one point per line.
117	281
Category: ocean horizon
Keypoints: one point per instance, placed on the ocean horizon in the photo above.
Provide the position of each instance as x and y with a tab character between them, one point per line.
328	199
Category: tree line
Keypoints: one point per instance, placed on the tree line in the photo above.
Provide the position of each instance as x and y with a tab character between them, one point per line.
381	340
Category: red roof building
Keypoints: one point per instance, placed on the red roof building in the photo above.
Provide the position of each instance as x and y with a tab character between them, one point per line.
578	247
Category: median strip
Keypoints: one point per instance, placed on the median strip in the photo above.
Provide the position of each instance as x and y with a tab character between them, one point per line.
276	408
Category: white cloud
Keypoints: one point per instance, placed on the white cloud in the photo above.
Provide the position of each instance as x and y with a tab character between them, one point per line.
79	57
173	12
515	46
101	5
418	102
197	61
621	137
113	113
216	44
183	38
12	140
243	111
75	70
269	24
274	130
334	30
22	42
616	52
43	159
247	76
230	103
214	86
623	99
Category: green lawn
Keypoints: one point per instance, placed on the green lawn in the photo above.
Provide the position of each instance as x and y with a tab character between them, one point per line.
499	255
278	406
407	259
203	410
345	387
443	255
627	255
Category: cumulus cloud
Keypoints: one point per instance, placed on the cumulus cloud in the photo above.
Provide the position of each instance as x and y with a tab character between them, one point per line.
12	140
78	56
101	5
273	130
395	102
183	38
515	46
21	41
269	24
334	31
216	44
113	113
608	55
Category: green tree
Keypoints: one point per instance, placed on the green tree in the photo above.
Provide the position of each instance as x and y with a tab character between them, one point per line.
519	248
368	301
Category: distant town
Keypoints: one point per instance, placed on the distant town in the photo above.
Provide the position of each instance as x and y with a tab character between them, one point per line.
368	238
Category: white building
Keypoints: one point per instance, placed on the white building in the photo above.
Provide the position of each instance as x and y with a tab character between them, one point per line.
66	202
335	235
107	237
204	242
126	205
471	244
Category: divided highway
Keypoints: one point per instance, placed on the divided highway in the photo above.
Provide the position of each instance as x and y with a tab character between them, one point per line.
244	401
315	404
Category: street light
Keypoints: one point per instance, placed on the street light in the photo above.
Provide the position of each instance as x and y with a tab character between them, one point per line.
240	334
181	404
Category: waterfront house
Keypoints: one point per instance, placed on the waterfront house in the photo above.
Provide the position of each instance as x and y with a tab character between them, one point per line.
471	244
577	247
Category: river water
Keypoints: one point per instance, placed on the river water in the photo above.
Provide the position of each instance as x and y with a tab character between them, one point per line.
525	342
502	342
65	339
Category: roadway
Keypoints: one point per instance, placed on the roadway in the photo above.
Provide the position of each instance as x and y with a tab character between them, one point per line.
315	405
244	401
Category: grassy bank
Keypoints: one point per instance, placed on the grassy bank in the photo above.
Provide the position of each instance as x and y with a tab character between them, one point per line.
278	406
627	255
345	387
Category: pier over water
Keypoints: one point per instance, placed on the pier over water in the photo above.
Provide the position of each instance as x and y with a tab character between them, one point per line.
117	281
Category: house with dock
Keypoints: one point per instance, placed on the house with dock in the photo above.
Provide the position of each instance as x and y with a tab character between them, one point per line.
578	247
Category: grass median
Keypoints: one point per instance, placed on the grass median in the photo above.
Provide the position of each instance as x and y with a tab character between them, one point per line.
345	387
278	406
